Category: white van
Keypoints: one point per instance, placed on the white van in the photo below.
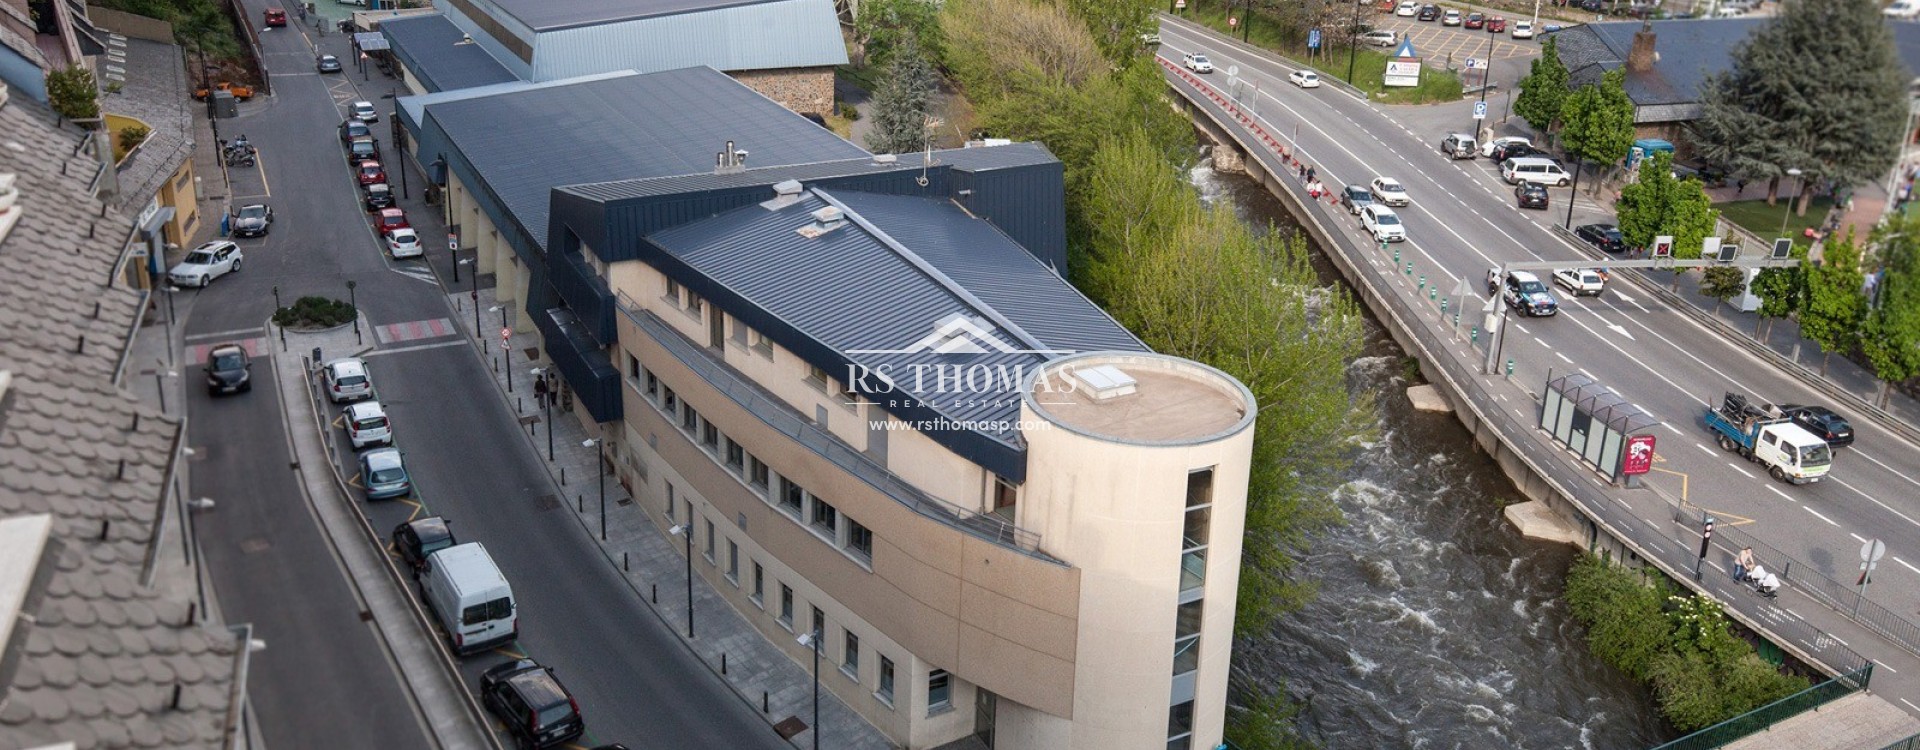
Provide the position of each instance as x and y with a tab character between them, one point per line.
1534	169
466	594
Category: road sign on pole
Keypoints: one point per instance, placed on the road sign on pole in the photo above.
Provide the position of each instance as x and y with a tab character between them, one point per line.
1479	111
1663	246
1870	554
506	336
453	241
1313	39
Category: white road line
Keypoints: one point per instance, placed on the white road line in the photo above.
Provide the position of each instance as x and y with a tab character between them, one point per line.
1896	558
422	347
1676	430
1776	491
1874	500
1910	704
1857	537
237	332
1879	665
1705	449
1563	357
1743	472
1821	517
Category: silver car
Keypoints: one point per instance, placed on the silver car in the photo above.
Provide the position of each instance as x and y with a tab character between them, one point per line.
206	263
384	474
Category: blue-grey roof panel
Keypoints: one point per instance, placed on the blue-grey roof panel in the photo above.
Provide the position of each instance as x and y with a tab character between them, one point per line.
525	143
777	34
429	46
996	157
544	15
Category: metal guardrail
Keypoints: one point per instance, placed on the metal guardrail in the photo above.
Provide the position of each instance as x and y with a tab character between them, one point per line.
1838	596
1766	716
1910	743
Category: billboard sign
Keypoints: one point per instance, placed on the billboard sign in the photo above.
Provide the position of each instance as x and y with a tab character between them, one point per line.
1403	69
1638	458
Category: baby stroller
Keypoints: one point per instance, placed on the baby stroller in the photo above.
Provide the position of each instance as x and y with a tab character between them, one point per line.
1762	581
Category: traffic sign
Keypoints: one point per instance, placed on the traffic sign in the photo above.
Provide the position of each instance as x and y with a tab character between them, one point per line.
1179	3
1473	63
1479	110
1233	22
1233	71
453	241
506	336
1663	246
1313	39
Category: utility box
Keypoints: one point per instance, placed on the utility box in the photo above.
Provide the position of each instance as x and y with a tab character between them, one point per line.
224	105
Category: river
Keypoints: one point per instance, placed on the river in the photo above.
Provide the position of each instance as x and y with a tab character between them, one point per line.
1436	625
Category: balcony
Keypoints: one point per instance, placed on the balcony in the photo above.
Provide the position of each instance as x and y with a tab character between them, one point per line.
583	362
783	418
584	291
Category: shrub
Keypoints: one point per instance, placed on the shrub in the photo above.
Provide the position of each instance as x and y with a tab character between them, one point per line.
130	138
314	312
848	111
73	93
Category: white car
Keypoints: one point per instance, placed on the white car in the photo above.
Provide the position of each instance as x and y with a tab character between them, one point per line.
1198	62
206	263
363	111
1582	282
1388	191
1407	8
367	424
346	380
1382	223
1305	79
404	243
1387	38
1904	9
1522	30
1486	149
1451	18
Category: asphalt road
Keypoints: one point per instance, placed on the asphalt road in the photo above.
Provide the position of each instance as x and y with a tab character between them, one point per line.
323	682
1463	221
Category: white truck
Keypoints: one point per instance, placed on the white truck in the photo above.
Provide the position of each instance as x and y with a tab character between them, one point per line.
1763	435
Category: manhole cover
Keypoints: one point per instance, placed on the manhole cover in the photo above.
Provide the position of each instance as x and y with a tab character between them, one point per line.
255	545
625	501
788	727
546	502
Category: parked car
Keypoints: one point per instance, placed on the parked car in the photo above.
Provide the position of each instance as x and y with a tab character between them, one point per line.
469	598
1198	62
252	220
351	129
206	263
366	424
416	539
327	64
1458	146
1388	190
346	380
1382	223
404	243
1496	25
1516	170
379	196
536	709
1407	8
362	149
1355	197
389	219
1429	13
276	18
1522	30
1494	146
1605	237
1522	151
1903	9
1822	422
1523	292
1305	79
1530	195
1474	21
228	370
384	474
1387	38
363	111
1451	18
371	173
1582	282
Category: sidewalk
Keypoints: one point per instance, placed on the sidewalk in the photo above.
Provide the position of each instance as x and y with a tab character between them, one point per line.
655	567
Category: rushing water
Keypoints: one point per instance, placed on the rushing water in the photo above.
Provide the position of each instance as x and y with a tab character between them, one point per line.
1437	625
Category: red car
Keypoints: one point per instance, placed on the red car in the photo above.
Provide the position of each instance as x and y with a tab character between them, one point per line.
276	17
1496	25
388	220
1475	21
371	173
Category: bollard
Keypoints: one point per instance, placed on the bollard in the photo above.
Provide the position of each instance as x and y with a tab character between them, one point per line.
656	593
723	663
1443	308
763	701
624	563
1432	292
1476	334
316	356
1423	282
563	476
496	364
1509	368
580	503
1396	255
1456	319
1409	268
517	408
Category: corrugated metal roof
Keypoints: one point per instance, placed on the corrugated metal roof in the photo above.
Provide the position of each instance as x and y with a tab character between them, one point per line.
996	157
524	143
429	46
758	36
545	15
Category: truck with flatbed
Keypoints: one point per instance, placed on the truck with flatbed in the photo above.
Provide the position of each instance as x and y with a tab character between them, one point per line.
1761	433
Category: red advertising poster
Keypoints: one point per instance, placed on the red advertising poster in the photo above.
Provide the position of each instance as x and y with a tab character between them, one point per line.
1639	458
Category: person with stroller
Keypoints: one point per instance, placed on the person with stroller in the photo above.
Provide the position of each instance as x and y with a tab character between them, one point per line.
1742	563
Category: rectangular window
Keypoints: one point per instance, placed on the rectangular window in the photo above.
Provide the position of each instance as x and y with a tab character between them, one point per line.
709	541
1186	637
1180	726
669	502
653	383
673	292
733	562
885	693
689	419
695	305
1004	493
850	656
1198	523
761	344
790	496
859	539
740	332
757	476
819	623
786	606
633	366
710	436
736	455
817	377
759	583
939	691
669	401
825	517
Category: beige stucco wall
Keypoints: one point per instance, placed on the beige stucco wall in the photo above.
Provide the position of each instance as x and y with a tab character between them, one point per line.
798	89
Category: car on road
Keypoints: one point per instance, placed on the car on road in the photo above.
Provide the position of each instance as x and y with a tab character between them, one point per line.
1451	18
1407	9
1381	38
346	379
351	129
416	539
1494	146
366	424
252	220
384	474
362	149
1382	223
1605	237
1197	62
371	173
1305	79
1496	25
1516	170
1822	422
206	263
1522	30
1530	195
404	243
1520	151
379	196
1458	146
275	18
228	370
1355	197
536	709
1388	190
363	111
1581	282
1474	21
326	64
1903	9
389	219
1429	13
1523	291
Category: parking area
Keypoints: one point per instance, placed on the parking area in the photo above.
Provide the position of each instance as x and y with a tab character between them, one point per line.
1441	44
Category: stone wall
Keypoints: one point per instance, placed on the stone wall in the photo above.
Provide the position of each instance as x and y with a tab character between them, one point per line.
798	89
128	24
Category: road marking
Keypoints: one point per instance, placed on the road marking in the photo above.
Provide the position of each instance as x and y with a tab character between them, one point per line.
1857	537
1879	665
1676	430
1743	472
225	334
1821	517
420	348
197	354
1776	491
1563	357
1874	500
393	333
1909	703
1896	558
1705	449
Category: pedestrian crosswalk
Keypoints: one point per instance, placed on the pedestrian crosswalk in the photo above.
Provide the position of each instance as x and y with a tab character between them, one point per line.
393	333
197	353
417	272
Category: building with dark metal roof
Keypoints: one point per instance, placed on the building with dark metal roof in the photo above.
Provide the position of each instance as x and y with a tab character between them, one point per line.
436	55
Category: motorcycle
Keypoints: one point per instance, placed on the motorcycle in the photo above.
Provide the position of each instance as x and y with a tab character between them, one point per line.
239	153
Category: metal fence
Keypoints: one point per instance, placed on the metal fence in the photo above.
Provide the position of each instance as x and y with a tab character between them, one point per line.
1910	743
1842	598
1773	713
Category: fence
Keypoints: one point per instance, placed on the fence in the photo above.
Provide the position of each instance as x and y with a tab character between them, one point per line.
1773	713
1847	600
1910	743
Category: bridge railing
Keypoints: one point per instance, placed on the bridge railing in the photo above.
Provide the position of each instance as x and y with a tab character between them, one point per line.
1764	717
1842	598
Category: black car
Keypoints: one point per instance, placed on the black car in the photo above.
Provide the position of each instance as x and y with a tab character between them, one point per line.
327	64
1507	151
537	710
363	149
351	129
1530	195
1822	422
1356	197
228	370
416	539
1606	237
252	220
379	196
1429	13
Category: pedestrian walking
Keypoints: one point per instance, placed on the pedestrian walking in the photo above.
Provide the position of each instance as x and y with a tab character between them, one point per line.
1743	563
540	390
1300	170
1310	174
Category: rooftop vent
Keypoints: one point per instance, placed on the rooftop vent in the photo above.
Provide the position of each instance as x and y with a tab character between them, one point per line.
786	187
730	160
986	142
785	193
10	208
1105	382
885	159
824	220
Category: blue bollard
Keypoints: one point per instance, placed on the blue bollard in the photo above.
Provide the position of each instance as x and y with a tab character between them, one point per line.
1509	367
1409	268
1476	334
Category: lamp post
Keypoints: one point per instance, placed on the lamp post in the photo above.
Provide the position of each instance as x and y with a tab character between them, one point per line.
354	302
504	351
475	297
594	443
811	639
1486	79
686	530
1787	211
548	406
1353	40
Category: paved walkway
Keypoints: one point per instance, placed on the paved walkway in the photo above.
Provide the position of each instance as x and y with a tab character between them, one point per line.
656	567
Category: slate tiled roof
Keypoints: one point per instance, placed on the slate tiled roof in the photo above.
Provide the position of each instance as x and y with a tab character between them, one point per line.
154	89
429	46
102	660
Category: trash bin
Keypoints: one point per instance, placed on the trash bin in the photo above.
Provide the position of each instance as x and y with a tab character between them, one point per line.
224	105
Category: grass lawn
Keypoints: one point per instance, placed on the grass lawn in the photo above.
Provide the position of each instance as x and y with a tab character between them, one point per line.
1436	84
1764	220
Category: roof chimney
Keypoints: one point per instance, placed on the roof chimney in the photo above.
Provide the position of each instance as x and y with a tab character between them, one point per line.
1642	57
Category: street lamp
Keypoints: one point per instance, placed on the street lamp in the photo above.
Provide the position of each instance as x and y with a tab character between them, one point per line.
548	406
1486	79
595	444
355	303
505	352
1353	40
1788	210
811	639
686	530
475	295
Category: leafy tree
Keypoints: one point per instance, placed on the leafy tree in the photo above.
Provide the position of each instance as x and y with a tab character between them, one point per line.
1834	308
73	93
1622	613
1722	283
901	106
1116	25
1781	291
1891	336
1265	721
1657	204
1597	120
883	24
1544	91
1820	88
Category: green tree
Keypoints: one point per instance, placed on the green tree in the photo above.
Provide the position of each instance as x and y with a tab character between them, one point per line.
1891	336
1116	25
1820	88
901	106
1544	91
1597	121
1657	204
1781	292
1722	283
883	24
1265	721
73	93
1622	612
1834	308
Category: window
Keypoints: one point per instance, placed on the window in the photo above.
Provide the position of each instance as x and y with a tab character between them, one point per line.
885	693
710	436
859	539
1199	521
733	563
689	419
939	691
633	366
740	332
819	623
790	496
736	455
850	656
673	292
709	540
825	517
669	402
760	344
817	377
758	474
1004	495
653	383
786	606
695	305
1180	726
759	583
669	501
1186	638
